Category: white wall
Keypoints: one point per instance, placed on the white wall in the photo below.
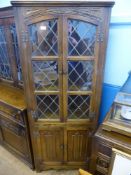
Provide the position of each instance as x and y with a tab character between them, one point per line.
118	59
4	3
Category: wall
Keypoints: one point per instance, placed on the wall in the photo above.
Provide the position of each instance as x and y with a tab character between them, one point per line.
118	58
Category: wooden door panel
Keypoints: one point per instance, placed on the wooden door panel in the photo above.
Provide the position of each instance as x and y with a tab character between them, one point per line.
77	145
51	145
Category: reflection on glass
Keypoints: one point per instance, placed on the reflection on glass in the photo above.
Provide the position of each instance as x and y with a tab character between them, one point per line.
78	106
81	38
45	75
5	71
47	106
43	38
16	51
80	75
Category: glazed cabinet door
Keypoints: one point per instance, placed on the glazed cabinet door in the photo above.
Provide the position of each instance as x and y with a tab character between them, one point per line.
80	57
50	143
10	67
63	67
45	77
5	67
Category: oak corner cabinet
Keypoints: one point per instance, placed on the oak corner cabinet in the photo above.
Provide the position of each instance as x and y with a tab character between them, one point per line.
63	47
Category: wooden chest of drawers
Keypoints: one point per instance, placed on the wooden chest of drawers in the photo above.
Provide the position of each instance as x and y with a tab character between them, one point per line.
14	131
103	142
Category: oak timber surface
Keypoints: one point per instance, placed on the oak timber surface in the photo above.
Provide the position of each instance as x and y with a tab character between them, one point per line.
12	96
10	165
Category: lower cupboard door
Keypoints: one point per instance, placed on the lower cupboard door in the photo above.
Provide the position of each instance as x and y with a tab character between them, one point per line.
77	146
51	146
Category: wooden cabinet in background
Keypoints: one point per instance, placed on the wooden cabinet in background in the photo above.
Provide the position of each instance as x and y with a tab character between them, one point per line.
63	47
14	130
107	137
10	67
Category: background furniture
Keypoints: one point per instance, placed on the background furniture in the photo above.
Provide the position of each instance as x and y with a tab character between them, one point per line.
62	52
120	163
10	67
14	131
115	132
104	141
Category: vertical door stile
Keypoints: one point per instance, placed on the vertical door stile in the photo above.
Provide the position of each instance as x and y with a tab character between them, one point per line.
65	76
60	67
95	74
30	75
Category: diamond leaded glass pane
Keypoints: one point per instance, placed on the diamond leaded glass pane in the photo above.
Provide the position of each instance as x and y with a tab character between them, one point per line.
47	106
16	50
5	71
78	106
80	75
45	75
44	38
81	38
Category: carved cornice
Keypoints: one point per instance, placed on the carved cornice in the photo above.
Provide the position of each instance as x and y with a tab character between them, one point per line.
76	3
93	12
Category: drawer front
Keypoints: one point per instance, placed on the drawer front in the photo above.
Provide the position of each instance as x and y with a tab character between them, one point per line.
104	149
12	113
14	136
102	163
13	127
19	117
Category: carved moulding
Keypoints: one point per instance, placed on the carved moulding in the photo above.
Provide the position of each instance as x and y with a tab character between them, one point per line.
94	13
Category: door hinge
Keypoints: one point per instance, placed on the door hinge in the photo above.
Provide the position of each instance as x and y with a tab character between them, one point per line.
100	37
24	37
34	115
92	115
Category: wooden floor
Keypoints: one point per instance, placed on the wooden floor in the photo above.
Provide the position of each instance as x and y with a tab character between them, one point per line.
10	165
